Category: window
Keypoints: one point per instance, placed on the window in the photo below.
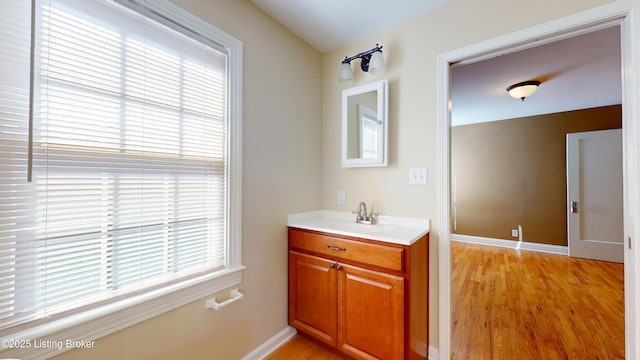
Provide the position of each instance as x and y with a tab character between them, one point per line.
134	161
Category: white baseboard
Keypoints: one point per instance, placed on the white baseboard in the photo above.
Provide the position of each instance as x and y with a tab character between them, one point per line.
433	353
522	245
271	345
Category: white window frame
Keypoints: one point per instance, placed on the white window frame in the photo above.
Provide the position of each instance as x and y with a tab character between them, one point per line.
103	320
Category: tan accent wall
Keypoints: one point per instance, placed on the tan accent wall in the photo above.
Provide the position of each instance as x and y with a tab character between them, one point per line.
513	172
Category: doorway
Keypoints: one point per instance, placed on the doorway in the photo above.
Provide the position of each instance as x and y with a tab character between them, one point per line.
623	12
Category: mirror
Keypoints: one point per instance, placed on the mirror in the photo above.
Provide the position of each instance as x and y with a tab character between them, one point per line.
365	125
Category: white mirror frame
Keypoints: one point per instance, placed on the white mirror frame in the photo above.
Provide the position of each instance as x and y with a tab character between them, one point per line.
382	89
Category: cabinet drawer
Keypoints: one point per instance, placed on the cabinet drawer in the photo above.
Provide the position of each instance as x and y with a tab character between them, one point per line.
337	248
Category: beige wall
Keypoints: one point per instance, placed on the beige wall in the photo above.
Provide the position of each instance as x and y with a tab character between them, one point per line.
282	175
510	173
411	51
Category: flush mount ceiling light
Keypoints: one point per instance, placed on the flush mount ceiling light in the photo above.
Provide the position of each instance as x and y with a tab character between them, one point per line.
523	89
371	61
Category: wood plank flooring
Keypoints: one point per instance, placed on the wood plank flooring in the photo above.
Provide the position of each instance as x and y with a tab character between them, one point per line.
301	348
509	304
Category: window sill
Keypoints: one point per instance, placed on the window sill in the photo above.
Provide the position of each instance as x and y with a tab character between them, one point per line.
42	342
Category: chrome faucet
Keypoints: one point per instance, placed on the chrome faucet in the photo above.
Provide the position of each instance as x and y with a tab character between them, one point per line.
363	217
362	211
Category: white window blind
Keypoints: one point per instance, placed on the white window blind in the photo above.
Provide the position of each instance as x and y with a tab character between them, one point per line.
130	159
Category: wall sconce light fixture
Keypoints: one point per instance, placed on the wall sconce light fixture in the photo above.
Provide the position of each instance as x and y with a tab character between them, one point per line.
523	89
371	61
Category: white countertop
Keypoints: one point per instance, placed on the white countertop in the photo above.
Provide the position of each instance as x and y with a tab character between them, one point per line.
397	230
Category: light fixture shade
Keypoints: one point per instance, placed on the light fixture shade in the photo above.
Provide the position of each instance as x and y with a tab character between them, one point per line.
376	64
346	74
523	89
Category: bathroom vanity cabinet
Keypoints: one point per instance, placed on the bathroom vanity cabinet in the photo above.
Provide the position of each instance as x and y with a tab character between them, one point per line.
367	299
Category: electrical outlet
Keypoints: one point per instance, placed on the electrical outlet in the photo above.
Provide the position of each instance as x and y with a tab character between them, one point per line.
342	197
514	232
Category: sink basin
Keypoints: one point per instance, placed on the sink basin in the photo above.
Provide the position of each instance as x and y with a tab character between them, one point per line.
397	230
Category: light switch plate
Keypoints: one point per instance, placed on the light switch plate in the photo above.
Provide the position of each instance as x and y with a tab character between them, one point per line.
418	176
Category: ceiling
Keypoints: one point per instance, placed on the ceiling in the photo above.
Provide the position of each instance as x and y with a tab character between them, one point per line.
575	73
331	24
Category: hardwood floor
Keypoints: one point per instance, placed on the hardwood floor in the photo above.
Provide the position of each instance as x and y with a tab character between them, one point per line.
301	348
510	304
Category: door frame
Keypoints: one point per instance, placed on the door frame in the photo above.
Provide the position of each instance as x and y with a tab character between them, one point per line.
624	12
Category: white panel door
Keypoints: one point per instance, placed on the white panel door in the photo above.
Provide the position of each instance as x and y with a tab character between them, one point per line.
594	195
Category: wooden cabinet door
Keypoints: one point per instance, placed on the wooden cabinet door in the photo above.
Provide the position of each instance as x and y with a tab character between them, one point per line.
313	296
370	313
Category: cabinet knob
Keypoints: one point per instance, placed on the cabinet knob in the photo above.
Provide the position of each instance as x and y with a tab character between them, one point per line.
332	265
339	267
